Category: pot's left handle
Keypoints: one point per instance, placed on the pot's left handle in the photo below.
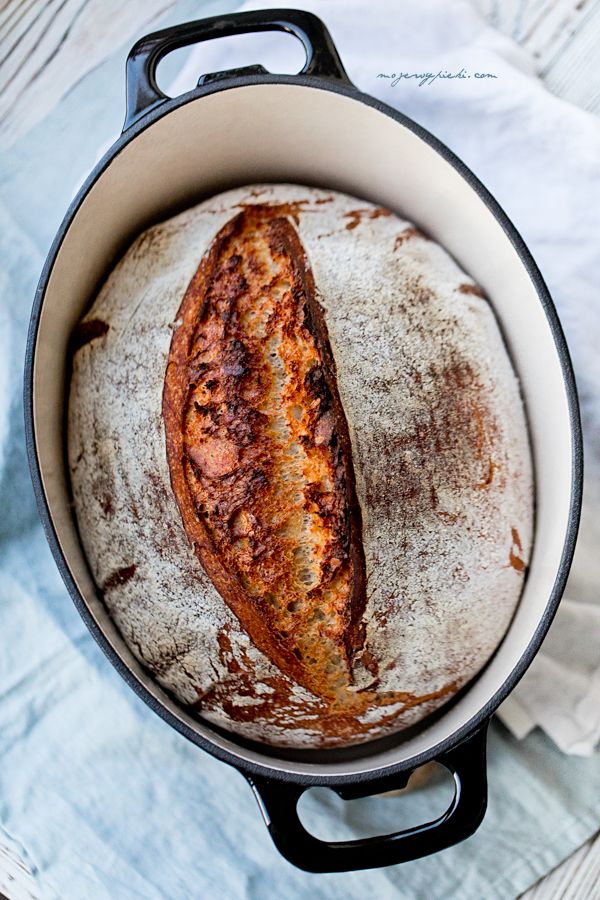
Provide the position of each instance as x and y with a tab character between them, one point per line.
143	93
278	803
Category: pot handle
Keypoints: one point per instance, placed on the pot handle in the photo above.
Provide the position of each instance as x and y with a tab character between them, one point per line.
143	93
278	804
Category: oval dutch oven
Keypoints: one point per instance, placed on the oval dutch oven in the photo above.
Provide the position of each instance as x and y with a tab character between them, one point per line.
247	125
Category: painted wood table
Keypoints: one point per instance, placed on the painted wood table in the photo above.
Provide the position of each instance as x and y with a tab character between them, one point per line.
47	46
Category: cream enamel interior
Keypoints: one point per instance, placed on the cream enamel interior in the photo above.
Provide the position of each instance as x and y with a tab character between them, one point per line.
288	132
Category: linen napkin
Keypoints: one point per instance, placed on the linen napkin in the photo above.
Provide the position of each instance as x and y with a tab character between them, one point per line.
100	796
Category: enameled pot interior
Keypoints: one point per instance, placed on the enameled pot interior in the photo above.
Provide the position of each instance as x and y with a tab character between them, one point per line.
291	132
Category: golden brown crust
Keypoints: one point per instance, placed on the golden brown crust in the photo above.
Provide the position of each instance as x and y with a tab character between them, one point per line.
259	451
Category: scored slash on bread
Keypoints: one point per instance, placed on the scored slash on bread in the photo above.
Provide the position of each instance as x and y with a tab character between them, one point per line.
259	452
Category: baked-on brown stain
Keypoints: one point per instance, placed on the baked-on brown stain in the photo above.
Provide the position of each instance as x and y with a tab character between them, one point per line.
514	559
84	332
409	232
356	216
336	722
261	468
121	576
472	289
487	481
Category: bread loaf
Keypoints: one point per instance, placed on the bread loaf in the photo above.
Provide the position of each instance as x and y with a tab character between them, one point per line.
300	465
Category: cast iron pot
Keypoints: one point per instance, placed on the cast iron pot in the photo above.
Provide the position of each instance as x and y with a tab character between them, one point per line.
247	125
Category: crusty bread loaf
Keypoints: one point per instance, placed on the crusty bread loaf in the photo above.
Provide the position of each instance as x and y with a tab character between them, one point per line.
300	465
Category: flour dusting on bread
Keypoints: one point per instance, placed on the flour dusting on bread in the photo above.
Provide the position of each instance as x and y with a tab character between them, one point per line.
300	465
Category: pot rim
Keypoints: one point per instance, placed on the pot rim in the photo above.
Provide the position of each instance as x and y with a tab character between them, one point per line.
203	741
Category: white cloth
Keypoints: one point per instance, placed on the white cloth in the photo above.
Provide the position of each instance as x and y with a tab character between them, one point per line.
540	157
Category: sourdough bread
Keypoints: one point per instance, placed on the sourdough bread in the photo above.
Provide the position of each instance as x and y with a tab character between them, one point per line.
300	465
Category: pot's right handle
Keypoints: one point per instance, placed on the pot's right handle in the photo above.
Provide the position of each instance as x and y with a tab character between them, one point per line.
143	93
278	803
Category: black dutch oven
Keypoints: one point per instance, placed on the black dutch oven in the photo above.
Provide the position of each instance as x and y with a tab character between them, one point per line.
247	125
